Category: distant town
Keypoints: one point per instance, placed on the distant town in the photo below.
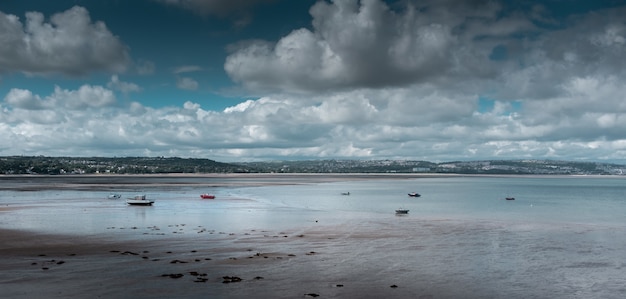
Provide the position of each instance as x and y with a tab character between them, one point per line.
41	165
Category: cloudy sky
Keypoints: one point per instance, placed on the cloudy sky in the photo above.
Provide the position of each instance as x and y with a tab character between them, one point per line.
251	80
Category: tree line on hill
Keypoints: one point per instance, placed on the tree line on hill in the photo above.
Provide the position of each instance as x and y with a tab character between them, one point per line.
162	165
115	165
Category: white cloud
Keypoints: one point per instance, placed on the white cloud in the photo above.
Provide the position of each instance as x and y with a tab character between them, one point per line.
24	99
186	83
367	81
366	44
357	124
86	96
121	86
70	43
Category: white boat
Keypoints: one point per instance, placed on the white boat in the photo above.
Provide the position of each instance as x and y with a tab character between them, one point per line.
114	196
139	200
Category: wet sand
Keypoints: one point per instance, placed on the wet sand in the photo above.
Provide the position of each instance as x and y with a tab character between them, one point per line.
103	182
365	257
187	262
196	263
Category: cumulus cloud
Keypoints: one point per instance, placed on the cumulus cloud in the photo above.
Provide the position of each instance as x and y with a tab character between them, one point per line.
121	86
372	81
417	77
69	43
367	44
413	122
86	96
24	99
186	83
450	44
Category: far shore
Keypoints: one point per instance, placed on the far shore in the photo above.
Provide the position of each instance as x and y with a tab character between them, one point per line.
112	182
108	182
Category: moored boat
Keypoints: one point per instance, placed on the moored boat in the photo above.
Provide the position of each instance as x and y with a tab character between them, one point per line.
139	200
414	194
207	196
402	211
509	198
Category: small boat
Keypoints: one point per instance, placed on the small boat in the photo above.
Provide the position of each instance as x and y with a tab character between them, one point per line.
207	196
414	194
509	198
345	193
402	211
114	196
139	200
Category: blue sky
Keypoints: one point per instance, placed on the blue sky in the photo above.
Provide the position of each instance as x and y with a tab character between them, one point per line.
247	80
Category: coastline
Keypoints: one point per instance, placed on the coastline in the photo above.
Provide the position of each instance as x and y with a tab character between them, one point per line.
108	182
385	256
186	262
299	263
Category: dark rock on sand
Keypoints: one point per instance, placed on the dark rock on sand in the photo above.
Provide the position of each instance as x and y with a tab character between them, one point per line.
229	279
178	262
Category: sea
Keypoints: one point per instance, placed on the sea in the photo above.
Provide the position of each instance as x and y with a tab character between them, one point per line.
561	237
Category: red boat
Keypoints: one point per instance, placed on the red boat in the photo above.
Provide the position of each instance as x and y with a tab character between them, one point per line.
207	196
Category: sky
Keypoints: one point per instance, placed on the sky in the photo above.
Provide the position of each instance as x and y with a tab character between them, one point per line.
258	80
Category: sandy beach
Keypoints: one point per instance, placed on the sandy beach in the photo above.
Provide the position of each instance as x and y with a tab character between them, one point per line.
252	249
123	182
182	261
257	264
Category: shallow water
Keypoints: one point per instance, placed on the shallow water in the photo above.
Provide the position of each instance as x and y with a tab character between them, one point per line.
562	237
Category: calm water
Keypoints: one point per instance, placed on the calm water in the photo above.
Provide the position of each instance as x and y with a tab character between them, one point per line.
543	200
562	237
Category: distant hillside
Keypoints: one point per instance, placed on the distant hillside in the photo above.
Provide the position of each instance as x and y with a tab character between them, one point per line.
156	165
125	165
342	166
460	167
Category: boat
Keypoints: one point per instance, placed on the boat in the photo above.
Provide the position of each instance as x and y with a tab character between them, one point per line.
114	196
509	198
402	211
414	194
207	196
345	193
139	200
